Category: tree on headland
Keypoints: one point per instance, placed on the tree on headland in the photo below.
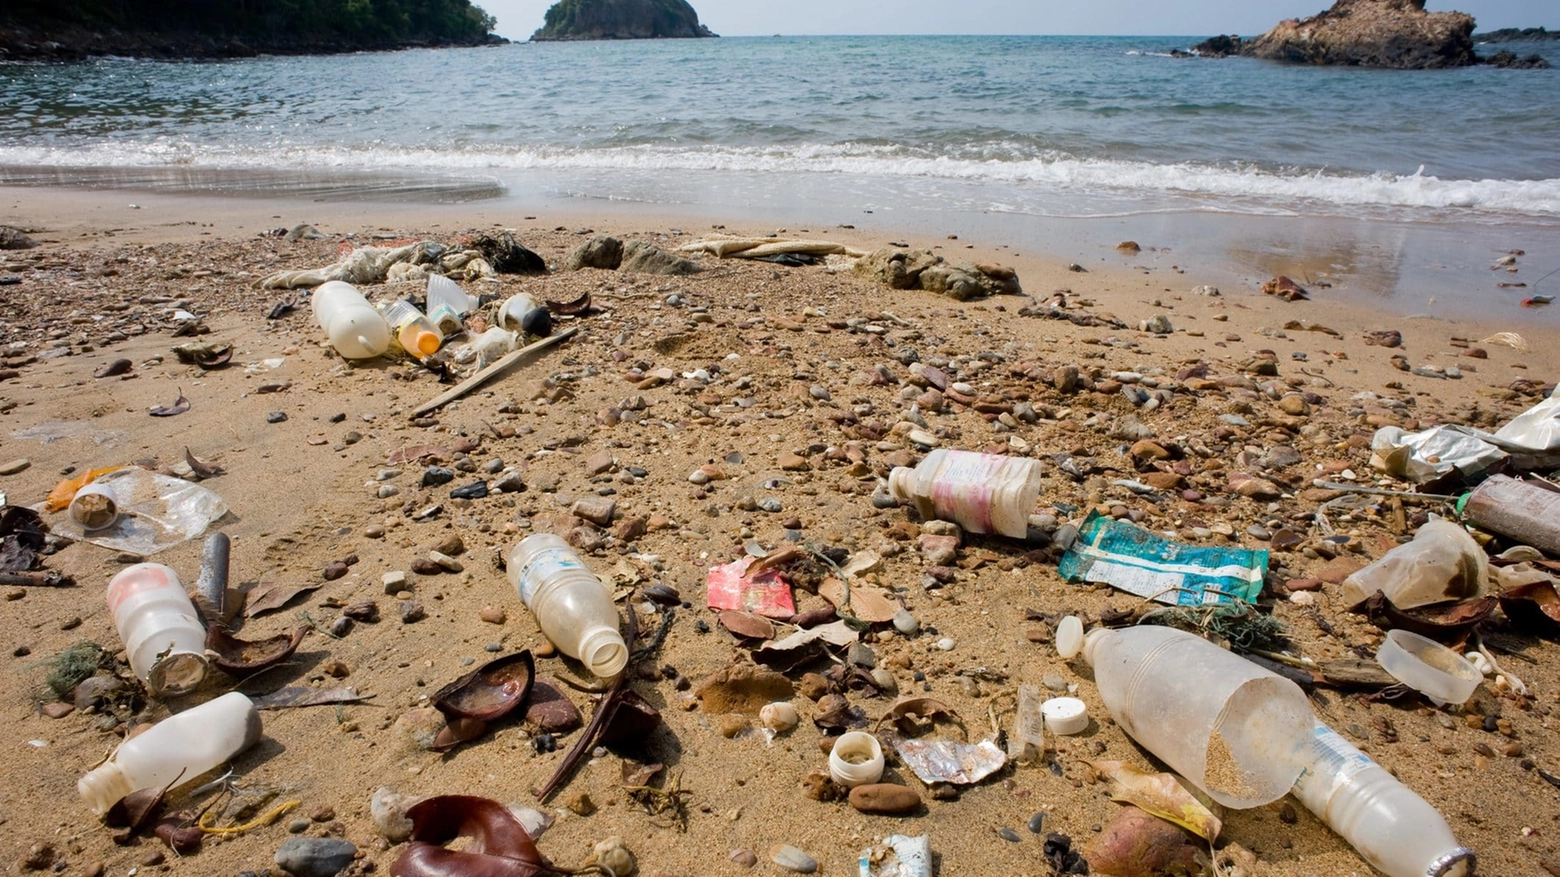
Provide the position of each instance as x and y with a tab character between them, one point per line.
201	28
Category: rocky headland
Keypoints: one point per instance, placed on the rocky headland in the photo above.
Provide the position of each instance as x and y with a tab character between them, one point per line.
621	20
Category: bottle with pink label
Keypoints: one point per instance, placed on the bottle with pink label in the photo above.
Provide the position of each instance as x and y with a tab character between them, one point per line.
157	623
983	493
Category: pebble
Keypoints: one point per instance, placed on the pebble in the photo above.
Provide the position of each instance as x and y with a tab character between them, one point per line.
1008	834
275	416
494	614
698	476
315	856
14	466
770	505
412	612
946	644
433	476
474	490
745	858
885	798
906	623
793	859
1037	823
512	482
394	581
445	562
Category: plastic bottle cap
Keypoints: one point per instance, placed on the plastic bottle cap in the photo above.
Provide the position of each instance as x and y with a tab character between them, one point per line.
857	760
1065	715
1069	637
423	343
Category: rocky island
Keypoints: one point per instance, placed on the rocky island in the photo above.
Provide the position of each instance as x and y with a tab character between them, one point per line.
70	30
1397	34
621	20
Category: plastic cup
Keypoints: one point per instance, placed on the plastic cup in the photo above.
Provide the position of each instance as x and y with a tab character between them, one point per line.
1428	667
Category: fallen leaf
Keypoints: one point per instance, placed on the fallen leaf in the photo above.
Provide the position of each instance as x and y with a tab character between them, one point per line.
746	624
269	598
1534	606
866	603
203	469
637	775
1445	621
916	715
179	406
1163	794
499	845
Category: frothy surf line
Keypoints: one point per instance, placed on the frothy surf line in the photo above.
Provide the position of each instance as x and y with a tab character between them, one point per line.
1264	189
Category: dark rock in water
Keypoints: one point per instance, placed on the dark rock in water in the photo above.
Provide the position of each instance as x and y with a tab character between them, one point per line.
1516	35
602	251
643	257
1371	33
1218	47
315	856
621	20
507	255
1514	61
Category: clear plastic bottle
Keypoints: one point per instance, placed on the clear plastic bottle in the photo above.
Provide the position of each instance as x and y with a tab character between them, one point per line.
524	314
188	743
1392	828
983	493
413	330
447	303
158	625
572	606
1235	730
356	330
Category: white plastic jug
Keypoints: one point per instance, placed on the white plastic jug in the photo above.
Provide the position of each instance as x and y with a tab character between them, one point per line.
572	606
356	330
983	493
157	623
182	747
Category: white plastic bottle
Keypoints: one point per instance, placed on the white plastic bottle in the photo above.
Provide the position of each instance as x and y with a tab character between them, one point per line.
1239	732
522	313
1392	828
413	330
356	330
158	625
572	606
188	743
983	493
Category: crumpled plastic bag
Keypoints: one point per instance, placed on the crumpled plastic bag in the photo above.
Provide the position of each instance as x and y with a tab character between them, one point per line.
1442	563
1425	456
156	512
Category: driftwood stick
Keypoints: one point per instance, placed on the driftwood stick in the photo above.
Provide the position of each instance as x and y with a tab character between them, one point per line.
491	372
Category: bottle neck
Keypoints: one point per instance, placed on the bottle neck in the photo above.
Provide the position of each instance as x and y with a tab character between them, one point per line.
604	653
103	787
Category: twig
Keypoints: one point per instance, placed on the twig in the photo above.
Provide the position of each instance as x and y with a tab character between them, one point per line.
491	372
43	578
1380	491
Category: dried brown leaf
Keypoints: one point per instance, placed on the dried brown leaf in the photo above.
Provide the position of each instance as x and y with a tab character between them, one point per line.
269	598
179	406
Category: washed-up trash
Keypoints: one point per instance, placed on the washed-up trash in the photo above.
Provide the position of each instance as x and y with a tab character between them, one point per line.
60	496
898	856
764	593
1231	728
1027	742
94	507
803	644
523	315
856	759
1532	440
1130	558
983	493
1428	667
412	329
1530	597
355	329
1065	716
186	744
22	536
1441	621
1163	794
1442	563
156	512
448	303
1518	510
572	606
1392	828
157	623
951	761
1136	843
207	356
760	248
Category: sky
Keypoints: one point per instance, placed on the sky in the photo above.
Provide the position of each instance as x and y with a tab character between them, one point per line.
517	19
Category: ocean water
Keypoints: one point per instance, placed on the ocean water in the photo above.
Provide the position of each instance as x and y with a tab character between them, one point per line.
1018	135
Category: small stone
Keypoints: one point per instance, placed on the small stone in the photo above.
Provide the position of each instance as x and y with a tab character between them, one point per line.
426	567
793	859
13	467
275	416
388	808
1252	487
57	710
152	858
698	477
938	550
885	798
1295	405
412	612
1037	823
512	482
433	476
597	510
599	462
793	463
771	505
1159	324
334	570
732	724
946	644
906	623
745	858
336	669
315	856
1008	834
1287	814
581	804
550	711
395	582
39	856
445	562
494	614
813	686
374	531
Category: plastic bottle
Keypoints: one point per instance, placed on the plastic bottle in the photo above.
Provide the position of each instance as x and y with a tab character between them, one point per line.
413	330
1517	510
522	313
1235	730
157	623
983	493
1392	828
572	606
356	330
188	743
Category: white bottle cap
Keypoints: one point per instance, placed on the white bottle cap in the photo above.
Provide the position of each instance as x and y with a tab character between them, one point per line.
857	760
1065	716
1069	637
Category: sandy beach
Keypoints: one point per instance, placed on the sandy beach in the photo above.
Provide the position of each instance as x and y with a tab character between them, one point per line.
305	491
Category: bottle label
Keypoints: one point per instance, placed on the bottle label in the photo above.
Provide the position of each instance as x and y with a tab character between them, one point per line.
962	491
539	565
1334	761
